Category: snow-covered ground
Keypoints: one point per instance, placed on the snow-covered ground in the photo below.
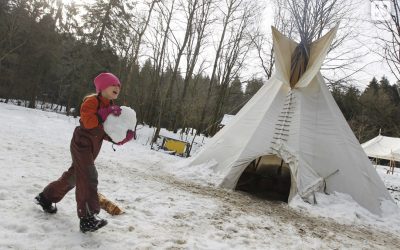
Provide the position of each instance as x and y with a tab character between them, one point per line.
392	181
167	204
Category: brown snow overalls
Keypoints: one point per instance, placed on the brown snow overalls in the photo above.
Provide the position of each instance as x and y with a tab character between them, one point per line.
85	146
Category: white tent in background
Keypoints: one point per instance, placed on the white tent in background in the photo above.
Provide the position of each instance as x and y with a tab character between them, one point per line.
383	147
396	154
297	123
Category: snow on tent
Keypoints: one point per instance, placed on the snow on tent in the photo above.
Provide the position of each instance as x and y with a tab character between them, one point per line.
225	120
383	147
292	137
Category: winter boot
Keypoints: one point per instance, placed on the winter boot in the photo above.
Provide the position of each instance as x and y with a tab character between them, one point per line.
45	204
91	224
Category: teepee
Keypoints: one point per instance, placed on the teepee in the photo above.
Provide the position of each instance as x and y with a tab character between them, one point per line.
293	121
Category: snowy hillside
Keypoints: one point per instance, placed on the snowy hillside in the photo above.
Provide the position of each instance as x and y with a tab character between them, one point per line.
167	204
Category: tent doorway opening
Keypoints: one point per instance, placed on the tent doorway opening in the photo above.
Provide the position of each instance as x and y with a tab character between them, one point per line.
267	177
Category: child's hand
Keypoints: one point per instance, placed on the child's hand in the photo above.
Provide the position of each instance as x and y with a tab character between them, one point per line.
105	112
129	136
115	110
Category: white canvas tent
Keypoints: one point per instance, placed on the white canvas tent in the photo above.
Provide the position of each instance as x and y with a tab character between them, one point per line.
383	147
301	125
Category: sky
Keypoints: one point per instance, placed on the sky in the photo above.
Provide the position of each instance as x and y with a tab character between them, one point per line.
369	33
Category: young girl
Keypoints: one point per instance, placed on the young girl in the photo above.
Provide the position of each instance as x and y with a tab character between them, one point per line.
85	146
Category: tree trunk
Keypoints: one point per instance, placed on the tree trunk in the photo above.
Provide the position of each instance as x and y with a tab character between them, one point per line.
159	73
106	19
136	51
192	62
225	25
188	31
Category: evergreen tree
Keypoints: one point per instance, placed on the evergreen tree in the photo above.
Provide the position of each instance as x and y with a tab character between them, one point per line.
235	97
373	85
106	22
253	86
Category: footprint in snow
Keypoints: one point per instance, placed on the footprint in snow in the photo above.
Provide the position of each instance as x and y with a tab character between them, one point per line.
90	244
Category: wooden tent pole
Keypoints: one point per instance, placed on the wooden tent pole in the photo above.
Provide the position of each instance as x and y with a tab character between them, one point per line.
392	166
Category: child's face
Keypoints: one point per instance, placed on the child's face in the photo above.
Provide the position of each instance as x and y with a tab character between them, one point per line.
111	92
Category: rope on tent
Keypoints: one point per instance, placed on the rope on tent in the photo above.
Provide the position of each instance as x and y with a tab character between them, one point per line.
333	173
281	131
393	189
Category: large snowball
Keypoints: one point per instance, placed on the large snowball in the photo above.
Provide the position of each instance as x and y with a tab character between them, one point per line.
117	126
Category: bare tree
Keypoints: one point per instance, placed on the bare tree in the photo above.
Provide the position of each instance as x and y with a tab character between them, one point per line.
234	54
141	31
190	8
159	60
196	38
391	25
312	18
136	42
262	41
232	7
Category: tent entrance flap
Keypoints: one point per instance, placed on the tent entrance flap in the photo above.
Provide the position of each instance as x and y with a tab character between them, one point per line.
266	177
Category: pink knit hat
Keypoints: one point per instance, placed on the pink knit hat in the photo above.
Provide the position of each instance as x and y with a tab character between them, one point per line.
105	80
